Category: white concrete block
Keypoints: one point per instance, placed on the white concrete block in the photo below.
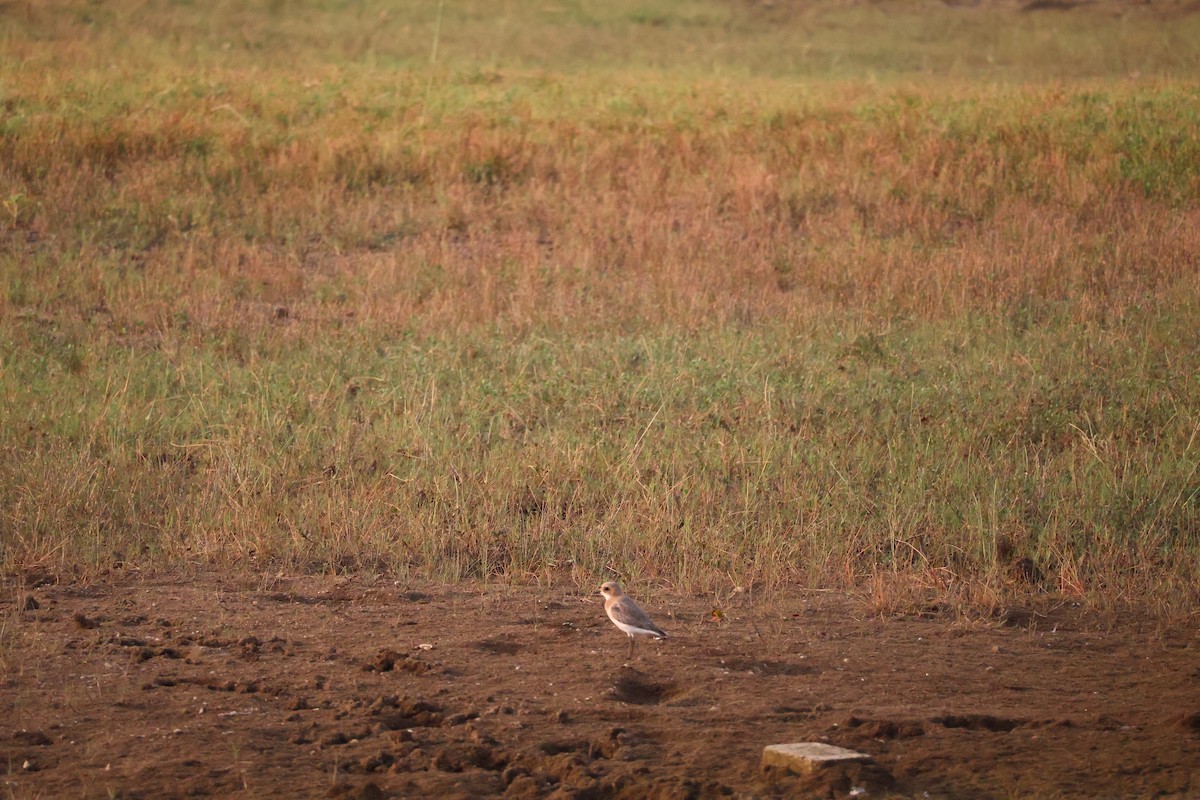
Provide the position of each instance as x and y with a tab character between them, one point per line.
805	758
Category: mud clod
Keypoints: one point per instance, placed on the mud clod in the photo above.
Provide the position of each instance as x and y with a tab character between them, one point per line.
524	787
885	728
383	702
977	722
410	713
32	738
459	719
554	748
381	760
385	661
367	791
460	757
510	774
388	660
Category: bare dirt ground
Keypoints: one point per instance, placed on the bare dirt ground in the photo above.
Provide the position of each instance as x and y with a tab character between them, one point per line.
158	686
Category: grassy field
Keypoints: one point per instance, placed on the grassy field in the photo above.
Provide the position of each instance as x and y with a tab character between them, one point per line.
899	298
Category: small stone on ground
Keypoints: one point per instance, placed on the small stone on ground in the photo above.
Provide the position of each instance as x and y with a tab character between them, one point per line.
806	757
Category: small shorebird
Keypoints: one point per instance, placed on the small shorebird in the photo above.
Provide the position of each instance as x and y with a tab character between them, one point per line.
628	615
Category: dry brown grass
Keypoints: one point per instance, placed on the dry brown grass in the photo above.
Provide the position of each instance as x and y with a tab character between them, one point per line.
904	203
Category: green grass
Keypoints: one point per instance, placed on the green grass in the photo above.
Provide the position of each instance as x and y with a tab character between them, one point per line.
696	38
695	292
762	456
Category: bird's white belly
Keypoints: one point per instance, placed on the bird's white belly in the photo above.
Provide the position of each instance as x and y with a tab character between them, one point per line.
634	630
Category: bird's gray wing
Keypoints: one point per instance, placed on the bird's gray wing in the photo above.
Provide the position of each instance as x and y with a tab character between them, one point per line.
630	613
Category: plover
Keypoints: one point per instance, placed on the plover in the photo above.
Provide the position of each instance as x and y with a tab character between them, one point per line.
628	615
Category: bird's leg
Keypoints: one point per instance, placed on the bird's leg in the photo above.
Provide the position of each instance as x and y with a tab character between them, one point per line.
632	641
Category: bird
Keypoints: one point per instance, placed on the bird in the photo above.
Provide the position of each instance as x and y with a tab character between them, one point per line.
628	615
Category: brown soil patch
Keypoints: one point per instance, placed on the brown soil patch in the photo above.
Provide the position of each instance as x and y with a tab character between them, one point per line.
307	687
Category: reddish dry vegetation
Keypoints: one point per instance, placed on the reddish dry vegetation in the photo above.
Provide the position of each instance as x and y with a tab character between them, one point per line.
165	687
